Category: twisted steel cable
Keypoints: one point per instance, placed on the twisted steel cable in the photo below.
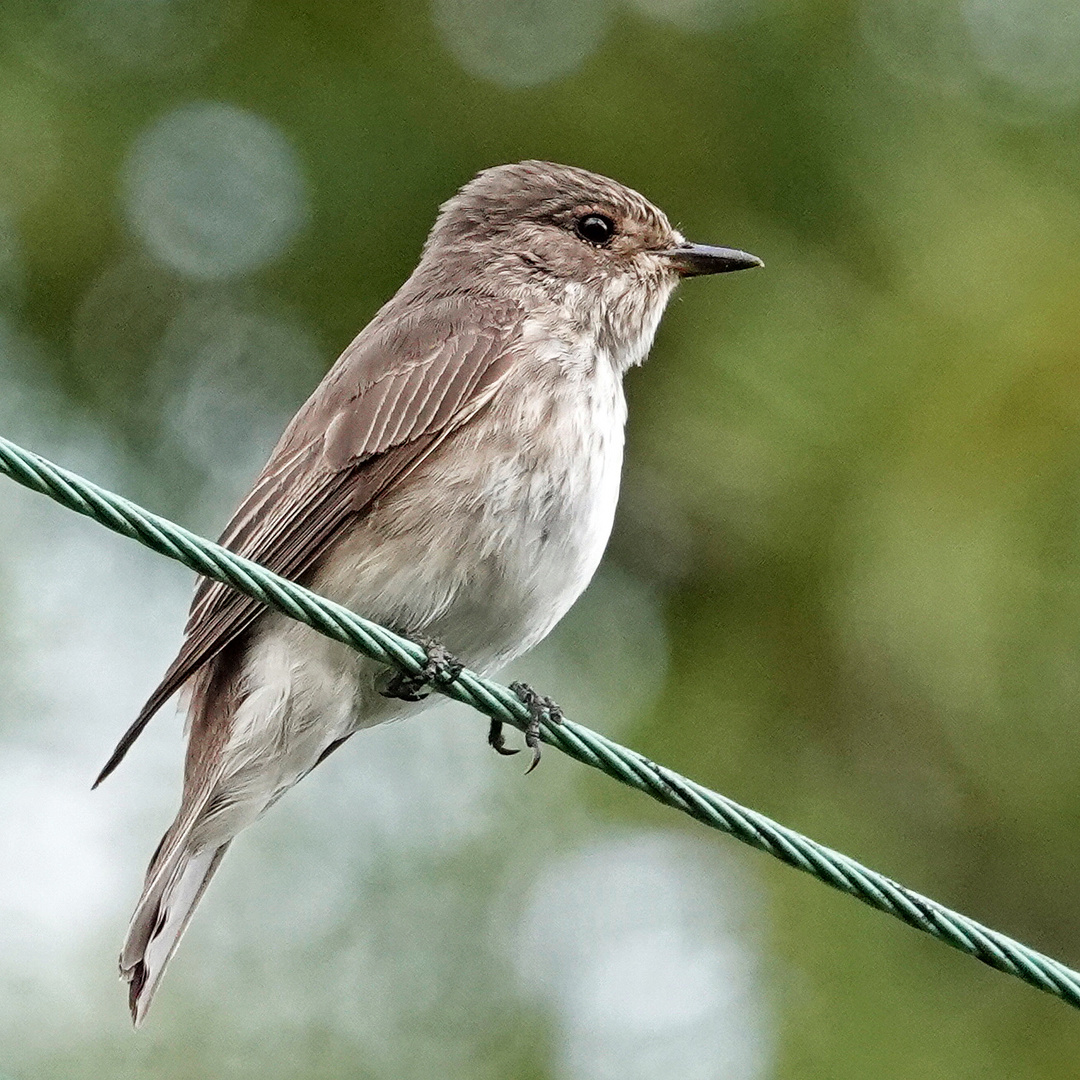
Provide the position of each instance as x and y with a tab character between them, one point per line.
499	702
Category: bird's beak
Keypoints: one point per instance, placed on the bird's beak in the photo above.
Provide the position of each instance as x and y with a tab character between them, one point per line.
691	260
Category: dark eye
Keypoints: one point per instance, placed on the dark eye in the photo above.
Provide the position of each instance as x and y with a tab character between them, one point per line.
595	228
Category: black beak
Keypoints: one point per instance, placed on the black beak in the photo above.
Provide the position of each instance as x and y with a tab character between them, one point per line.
691	260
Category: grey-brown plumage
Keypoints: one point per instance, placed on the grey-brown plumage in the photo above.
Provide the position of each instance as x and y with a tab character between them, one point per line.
454	476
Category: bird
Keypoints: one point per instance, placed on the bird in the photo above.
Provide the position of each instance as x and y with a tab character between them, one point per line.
454	476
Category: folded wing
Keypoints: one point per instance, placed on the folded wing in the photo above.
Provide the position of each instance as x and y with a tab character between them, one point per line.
399	389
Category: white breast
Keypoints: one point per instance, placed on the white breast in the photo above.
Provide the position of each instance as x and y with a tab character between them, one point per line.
542	507
484	549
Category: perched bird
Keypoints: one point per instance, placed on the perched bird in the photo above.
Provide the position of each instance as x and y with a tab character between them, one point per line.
454	476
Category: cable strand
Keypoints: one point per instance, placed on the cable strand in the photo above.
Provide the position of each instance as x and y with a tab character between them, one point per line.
589	747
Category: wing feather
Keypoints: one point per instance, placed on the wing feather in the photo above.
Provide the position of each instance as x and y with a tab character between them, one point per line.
393	395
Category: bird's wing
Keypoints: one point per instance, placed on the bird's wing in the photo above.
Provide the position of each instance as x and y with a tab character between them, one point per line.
400	388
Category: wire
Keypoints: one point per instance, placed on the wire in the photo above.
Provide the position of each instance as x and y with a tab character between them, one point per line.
494	700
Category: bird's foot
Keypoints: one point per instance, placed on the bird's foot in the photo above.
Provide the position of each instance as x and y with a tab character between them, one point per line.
440	669
541	710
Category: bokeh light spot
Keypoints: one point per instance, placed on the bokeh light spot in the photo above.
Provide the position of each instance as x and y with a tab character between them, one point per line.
214	191
654	970
79	41
697	15
231	376
519	43
1032	45
1015	60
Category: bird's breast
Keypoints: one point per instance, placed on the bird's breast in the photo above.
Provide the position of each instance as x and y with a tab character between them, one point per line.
496	534
547	463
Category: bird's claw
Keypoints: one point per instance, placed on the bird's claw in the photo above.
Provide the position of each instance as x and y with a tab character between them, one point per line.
496	740
440	669
541	710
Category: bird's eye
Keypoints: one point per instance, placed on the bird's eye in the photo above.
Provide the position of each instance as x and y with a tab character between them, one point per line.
595	228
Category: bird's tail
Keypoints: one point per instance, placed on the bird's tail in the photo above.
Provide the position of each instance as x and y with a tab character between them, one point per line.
177	878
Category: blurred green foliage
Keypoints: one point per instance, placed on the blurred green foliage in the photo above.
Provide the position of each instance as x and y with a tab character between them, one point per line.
852	478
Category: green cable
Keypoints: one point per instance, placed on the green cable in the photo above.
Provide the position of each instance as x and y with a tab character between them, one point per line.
494	700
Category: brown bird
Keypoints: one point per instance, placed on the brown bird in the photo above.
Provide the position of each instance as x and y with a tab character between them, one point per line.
453	476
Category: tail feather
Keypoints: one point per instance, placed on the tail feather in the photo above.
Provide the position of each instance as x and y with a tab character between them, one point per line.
172	892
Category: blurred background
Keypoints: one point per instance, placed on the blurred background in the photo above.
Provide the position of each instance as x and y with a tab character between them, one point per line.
844	586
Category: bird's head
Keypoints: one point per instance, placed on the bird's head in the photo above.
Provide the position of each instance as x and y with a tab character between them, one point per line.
590	245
